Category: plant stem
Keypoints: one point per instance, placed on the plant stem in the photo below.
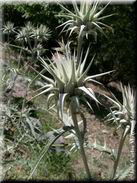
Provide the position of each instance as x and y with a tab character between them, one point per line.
80	41
80	137
8	46
132	145
122	140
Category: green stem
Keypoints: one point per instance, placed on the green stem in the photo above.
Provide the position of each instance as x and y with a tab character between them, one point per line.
122	140
80	137
84	124
19	47
80	41
8	46
132	145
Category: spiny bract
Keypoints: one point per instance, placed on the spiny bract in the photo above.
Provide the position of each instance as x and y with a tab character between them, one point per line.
86	18
68	79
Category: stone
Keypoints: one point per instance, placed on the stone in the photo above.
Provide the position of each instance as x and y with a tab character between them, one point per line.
17	86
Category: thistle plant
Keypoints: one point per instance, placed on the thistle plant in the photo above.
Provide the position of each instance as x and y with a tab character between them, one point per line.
68	79
67	89
31	38
25	33
68	86
85	20
41	33
9	28
123	114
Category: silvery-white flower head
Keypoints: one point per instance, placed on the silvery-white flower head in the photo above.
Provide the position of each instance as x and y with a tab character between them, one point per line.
86	18
124	113
68	79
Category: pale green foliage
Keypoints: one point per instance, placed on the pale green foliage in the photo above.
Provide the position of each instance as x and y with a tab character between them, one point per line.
30	32
62	46
86	19
68	80
32	37
8	28
124	113
41	32
25	33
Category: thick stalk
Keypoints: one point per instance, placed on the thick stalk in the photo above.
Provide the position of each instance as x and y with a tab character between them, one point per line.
8	46
80	138
132	157
80	41
122	140
132	146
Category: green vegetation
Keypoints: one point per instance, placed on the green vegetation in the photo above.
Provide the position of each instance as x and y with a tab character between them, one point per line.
62	120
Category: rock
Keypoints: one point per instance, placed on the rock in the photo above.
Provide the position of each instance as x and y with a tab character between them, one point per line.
23	79
17	86
4	64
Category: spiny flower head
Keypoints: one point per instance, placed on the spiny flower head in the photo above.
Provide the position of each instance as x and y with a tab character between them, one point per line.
86	18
